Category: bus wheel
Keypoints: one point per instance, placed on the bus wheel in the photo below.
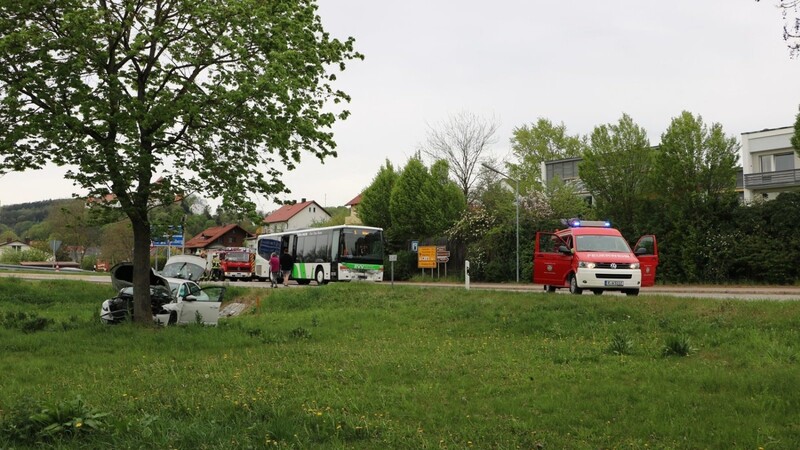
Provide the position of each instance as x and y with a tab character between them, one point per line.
302	282
573	285
319	277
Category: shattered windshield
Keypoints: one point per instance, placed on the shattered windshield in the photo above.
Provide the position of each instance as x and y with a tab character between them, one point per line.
184	270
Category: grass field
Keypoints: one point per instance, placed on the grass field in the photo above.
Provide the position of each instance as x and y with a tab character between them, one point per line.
373	366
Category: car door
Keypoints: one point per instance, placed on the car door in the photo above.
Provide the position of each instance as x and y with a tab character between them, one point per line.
646	250
549	265
201	304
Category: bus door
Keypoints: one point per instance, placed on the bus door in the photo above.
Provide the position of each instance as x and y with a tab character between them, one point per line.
336	235
550	266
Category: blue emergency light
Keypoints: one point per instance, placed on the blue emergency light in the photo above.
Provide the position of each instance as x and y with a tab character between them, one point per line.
577	223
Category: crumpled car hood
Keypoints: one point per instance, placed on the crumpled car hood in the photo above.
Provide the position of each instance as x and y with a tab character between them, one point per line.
122	277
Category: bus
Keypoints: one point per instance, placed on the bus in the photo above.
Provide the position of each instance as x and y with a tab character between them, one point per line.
338	253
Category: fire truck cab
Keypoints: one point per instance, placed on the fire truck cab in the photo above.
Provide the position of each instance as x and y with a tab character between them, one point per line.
592	255
235	263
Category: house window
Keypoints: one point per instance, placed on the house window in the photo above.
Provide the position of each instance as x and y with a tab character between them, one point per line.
784	161
766	163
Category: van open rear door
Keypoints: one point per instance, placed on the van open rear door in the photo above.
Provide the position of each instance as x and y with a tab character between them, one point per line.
646	249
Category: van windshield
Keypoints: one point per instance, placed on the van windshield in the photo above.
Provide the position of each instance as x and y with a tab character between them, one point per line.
591	243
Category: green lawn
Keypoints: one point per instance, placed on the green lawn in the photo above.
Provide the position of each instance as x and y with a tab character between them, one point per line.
373	366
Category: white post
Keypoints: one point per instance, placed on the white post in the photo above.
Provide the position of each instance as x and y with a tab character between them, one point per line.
466	274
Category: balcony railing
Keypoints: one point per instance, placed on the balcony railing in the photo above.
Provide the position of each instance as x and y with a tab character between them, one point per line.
780	178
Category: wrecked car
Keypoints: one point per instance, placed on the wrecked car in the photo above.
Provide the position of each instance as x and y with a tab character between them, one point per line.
173	299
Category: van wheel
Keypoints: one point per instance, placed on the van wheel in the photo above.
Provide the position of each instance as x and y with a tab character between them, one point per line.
319	277
597	291
549	289
632	292
573	285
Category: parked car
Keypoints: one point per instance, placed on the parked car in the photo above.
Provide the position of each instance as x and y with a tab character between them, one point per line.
173	300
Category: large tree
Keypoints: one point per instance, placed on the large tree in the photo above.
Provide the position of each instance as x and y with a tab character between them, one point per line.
213	96
374	207
539	142
463	141
615	169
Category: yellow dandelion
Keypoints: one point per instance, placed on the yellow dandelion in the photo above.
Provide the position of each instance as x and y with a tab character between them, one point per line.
79	424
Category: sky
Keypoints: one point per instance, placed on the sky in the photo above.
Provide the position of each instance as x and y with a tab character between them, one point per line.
581	62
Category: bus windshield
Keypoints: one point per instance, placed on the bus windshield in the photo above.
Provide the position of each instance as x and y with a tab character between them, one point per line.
362	245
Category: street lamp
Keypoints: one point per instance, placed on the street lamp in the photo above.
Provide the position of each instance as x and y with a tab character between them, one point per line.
516	203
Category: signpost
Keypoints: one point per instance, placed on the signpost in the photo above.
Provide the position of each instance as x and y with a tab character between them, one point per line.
54	244
426	257
392	259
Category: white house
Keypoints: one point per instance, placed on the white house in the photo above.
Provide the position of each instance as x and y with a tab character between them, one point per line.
13	245
296	216
770	163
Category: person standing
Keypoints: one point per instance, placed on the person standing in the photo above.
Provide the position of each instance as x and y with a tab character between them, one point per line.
275	269
287	262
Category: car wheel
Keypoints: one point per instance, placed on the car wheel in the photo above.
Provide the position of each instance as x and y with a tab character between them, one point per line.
573	285
173	318
319	277
597	291
632	292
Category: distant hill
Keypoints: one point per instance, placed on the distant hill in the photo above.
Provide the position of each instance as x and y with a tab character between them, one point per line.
23	215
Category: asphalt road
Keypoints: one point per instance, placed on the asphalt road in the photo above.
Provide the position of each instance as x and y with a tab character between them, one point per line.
779	293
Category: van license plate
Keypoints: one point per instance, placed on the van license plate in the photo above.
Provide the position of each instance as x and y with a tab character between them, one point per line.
614	283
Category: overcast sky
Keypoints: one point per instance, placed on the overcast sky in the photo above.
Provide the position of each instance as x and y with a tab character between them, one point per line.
581	62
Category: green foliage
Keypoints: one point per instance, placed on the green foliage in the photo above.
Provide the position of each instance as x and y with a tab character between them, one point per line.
32	254
413	203
356	365
616	170
677	345
25	322
538	142
223	91
374	208
621	344
35	424
694	163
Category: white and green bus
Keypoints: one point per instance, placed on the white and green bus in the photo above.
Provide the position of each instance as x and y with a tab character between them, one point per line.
338	253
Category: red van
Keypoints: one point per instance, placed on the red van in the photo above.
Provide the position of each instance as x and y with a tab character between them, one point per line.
592	255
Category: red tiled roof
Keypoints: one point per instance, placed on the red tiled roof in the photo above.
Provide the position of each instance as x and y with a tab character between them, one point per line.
354	201
286	212
209	235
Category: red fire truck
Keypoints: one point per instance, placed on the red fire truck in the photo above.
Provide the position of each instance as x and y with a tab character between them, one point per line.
235	263
592	255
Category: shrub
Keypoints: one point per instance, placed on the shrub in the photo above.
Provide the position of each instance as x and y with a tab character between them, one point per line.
620	344
677	345
31	423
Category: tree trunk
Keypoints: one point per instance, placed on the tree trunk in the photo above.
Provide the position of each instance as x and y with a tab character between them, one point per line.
142	310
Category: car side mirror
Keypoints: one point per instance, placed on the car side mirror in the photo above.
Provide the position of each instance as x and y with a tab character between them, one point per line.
189	298
640	251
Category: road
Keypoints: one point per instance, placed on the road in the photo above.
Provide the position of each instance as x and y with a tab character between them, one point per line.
777	293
